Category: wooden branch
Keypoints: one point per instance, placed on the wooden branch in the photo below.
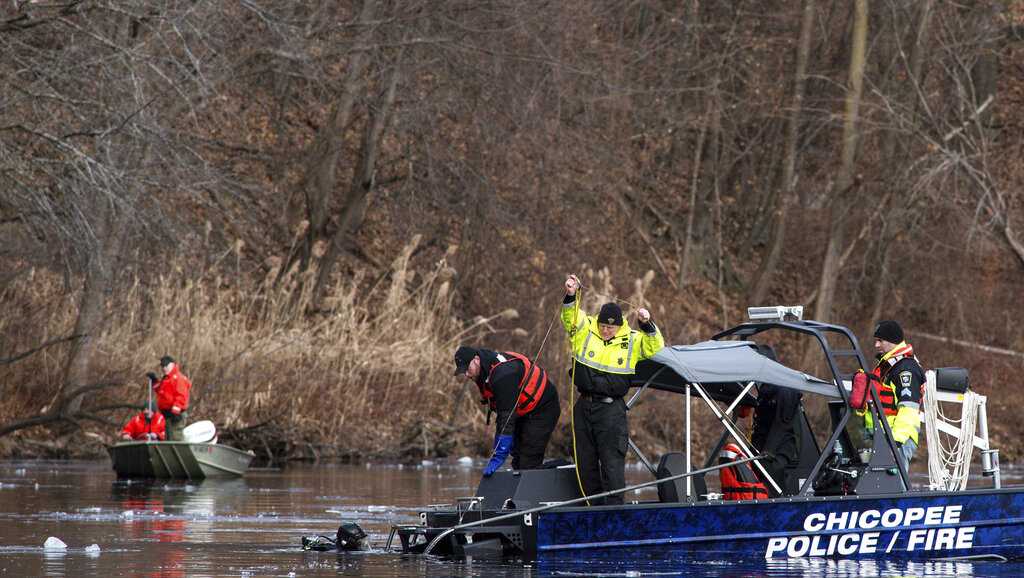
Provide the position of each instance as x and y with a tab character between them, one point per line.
1012	239
960	342
97	418
969	120
23	21
113	406
865	228
56	413
23	355
620	199
41	419
83	389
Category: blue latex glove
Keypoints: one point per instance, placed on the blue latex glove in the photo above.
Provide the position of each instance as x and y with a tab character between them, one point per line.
502	447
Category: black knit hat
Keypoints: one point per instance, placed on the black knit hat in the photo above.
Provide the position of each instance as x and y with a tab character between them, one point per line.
889	331
464	355
611	314
165	360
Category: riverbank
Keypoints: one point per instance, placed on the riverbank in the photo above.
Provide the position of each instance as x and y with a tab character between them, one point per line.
370	379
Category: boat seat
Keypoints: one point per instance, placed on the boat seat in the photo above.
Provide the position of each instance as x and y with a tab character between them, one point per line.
673	464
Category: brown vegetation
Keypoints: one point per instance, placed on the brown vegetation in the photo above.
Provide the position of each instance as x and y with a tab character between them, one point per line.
311	204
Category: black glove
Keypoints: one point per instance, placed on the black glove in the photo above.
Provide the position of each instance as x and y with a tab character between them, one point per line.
152	378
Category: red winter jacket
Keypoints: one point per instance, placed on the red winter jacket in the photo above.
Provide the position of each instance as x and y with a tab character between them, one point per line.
139	426
173	390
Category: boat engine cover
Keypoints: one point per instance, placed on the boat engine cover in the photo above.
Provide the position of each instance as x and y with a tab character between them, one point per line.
955	379
528	488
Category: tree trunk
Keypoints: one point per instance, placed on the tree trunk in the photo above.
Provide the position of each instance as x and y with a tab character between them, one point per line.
838	206
784	200
985	72
716	161
99	274
915	78
684	260
881	284
321	170
354	210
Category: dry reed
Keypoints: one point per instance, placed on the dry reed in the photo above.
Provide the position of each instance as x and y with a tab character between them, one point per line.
366	374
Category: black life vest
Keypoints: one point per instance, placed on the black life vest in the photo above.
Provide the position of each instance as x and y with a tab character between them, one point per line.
531	386
738	481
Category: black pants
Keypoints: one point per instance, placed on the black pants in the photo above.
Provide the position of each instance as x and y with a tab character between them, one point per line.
601	433
532	433
175	425
776	466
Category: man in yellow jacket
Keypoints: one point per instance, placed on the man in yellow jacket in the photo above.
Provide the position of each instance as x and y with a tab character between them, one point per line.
899	379
605	354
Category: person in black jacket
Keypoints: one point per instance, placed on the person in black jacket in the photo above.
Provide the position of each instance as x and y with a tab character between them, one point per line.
778	427
524	398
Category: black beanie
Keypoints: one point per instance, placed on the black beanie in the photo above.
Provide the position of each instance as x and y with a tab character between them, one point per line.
463	356
889	331
611	314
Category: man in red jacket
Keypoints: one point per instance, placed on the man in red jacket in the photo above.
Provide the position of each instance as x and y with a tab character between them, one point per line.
172	397
146	425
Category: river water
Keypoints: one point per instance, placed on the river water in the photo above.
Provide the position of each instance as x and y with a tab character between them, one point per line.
253	527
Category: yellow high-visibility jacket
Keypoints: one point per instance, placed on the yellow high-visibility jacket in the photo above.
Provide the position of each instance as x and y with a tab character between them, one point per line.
620	354
900	393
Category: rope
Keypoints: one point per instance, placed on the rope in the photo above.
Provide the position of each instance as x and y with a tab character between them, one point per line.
572	382
523	386
949	464
572	391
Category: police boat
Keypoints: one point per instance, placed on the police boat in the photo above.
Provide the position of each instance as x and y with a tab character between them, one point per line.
847	495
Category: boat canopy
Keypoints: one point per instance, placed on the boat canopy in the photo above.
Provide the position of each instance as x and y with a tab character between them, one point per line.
724	368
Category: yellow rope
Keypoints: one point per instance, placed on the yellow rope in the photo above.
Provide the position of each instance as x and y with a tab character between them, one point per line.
572	390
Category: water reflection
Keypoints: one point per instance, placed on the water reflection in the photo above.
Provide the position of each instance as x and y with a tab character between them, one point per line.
803	568
53	562
865	568
252	527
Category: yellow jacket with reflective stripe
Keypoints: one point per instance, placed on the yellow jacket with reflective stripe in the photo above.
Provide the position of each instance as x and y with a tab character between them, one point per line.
620	354
906	422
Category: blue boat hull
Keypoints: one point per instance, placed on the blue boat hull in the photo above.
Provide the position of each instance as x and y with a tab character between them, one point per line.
919	525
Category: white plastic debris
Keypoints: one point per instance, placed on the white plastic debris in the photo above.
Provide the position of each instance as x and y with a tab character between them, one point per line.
465	461
52	543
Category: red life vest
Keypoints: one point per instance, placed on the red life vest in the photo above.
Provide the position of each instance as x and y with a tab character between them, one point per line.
139	426
887	391
531	386
738	481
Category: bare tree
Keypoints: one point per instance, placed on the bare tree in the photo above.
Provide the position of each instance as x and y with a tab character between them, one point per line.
89	134
786	198
845	179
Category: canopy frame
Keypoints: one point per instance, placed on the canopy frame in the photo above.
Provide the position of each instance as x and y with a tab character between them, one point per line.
819	331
